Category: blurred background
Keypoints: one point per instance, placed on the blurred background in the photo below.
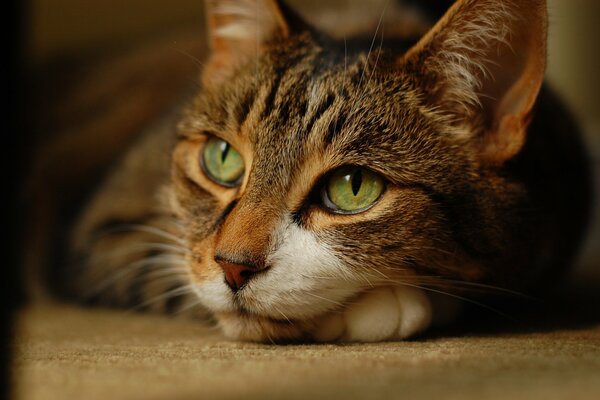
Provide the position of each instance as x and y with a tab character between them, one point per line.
59	27
68	29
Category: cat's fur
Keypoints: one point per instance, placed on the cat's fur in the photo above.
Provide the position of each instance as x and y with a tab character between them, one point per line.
486	179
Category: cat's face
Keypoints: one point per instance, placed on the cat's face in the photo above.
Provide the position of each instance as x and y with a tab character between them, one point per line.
305	176
294	128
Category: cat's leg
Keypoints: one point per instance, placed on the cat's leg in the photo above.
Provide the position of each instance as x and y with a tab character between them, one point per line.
389	313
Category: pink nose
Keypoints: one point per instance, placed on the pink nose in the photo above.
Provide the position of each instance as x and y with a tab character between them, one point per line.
236	275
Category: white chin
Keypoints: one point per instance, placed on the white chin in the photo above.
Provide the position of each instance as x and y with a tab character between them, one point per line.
301	305
215	296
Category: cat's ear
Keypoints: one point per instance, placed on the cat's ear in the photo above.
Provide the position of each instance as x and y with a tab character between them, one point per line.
483	63
238	29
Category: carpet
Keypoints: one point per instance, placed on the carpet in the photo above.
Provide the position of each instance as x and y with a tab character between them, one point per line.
64	352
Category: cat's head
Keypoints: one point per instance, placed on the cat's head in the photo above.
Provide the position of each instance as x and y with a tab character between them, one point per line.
307	172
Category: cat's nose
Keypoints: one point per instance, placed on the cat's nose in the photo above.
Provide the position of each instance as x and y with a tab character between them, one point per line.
236	275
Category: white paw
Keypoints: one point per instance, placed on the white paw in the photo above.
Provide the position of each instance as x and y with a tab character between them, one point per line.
391	313
374	317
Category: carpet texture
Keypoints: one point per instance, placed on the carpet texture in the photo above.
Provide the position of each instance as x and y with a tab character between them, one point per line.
63	352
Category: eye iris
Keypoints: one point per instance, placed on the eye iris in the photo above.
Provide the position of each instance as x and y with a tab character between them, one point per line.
354	189
222	162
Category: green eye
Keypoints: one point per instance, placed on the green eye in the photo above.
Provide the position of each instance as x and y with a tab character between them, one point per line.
352	190
222	163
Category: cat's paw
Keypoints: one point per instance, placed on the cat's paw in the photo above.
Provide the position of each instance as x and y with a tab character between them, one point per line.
390	313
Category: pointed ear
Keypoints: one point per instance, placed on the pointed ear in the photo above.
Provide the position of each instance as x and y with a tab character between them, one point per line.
483	63
238	29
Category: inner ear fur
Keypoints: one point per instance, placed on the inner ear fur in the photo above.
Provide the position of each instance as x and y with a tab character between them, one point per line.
483	63
238	29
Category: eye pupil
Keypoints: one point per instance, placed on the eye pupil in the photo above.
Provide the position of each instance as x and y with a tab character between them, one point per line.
224	151
357	179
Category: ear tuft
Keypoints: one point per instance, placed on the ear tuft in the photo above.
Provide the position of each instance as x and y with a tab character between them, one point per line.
483	63
238	29
463	57
246	19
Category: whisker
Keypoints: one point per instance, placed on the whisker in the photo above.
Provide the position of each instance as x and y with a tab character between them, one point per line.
151	230
171	293
139	248
282	314
188	307
485	287
385	279
365	277
167	275
155	262
270	338
320	277
169	247
379	25
345	57
465	299
378	54
325	299
188	55
439	281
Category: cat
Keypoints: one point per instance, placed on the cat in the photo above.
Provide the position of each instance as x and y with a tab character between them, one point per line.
343	189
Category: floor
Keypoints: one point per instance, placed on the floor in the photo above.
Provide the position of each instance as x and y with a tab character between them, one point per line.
63	352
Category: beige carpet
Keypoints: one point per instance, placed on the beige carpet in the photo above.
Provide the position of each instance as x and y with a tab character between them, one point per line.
65	353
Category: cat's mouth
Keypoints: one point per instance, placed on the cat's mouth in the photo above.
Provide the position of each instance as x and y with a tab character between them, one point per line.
290	306
249	319
249	306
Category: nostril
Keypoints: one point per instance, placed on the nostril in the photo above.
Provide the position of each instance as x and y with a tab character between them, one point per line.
246	274
236	275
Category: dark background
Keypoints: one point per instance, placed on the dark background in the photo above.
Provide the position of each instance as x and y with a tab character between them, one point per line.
14	134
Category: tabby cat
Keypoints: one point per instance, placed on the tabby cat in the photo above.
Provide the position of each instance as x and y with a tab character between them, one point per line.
343	189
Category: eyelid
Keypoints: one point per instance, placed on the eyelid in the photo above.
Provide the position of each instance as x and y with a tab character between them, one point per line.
231	139
186	133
